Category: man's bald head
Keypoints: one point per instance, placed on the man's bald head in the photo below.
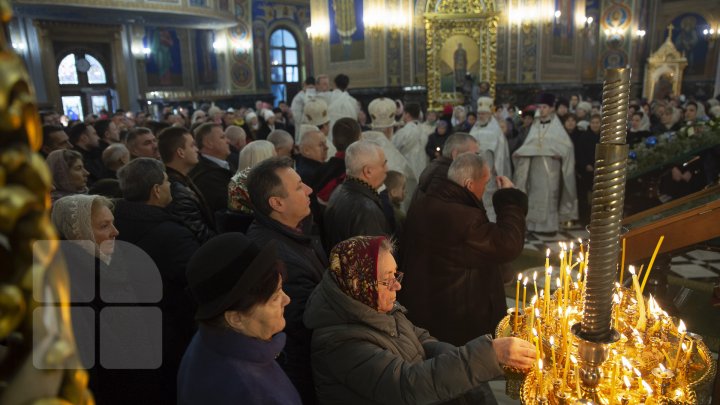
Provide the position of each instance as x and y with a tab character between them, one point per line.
313	145
236	136
283	142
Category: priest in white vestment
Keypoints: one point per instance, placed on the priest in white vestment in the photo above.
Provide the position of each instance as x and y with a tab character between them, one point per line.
411	139
545	170
343	105
298	104
494	148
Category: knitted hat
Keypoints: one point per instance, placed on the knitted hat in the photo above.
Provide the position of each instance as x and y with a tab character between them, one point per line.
224	269
382	113
267	114
585	106
316	113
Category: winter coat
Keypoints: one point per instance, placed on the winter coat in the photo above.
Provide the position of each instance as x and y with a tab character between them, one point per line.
212	181
354	209
362	356
307	168
451	258
188	204
305	261
224	367
170	245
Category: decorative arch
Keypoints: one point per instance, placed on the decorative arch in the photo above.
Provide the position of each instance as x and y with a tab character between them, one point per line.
461	38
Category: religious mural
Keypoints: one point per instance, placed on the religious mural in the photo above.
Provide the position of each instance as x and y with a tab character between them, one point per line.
563	28
347	32
616	14
260	53
688	39
590	40
163	66
205	58
459	56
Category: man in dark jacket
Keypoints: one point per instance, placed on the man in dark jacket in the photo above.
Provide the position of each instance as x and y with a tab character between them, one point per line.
180	155
355	207
212	173
282	214
86	141
313	153
143	221
452	253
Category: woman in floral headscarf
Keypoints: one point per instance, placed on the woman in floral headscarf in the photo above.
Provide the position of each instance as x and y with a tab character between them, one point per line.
365	350
68	173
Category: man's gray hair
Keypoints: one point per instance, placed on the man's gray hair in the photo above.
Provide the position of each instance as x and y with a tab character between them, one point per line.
138	177
112	155
466	166
459	142
234	133
308	137
360	154
280	138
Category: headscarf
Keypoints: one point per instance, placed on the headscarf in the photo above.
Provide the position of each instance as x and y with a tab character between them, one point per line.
72	216
60	171
354	265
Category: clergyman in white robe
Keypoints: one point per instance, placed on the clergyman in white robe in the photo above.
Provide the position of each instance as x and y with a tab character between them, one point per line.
343	105
410	140
495	151
545	170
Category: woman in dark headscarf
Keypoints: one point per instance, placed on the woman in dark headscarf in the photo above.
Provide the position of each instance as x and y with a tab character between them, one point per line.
365	350
436	140
68	173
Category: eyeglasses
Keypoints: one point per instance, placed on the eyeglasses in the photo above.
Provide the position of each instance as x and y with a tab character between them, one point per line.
395	278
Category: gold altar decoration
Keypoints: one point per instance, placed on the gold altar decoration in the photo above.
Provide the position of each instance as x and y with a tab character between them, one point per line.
596	341
40	365
461	37
664	72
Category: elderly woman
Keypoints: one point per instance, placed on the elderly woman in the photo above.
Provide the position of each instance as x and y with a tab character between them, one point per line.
365	351
231	359
252	154
68	173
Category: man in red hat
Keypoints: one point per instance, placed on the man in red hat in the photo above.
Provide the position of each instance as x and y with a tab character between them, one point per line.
545	170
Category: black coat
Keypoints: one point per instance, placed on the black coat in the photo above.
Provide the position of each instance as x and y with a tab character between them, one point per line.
306	168
188	204
452	256
354	209
92	160
437	168
212	181
305	261
170	245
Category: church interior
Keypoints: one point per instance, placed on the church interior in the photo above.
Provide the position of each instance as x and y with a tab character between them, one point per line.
88	58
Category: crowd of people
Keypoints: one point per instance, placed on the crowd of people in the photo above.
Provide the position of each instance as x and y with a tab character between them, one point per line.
320	252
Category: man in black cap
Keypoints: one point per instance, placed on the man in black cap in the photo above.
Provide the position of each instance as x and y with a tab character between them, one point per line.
545	170
282	215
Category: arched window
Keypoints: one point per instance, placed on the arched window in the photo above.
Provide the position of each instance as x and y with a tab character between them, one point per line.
284	62
83	85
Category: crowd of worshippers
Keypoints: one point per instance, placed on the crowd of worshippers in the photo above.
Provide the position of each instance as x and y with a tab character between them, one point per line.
309	256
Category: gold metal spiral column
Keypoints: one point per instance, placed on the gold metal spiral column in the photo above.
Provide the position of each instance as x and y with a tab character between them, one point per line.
595	331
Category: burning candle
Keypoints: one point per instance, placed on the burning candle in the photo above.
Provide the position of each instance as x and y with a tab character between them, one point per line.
681	332
577	375
640	301
648	390
524	292
517	302
663	377
639	376
535	282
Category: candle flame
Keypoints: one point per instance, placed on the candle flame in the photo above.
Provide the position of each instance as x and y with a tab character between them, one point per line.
533	300
616	299
637	372
558	283
537	312
627	381
562	255
580	241
534	276
678	393
617	285
647	387
525	282
662	367
540	364
575	284
552	341
534	332
631	269
681	327
547	252
549	271
684	347
573	359
519	276
572	245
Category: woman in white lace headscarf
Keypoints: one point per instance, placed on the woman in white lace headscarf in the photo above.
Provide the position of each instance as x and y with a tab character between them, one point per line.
252	154
87	220
68	173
